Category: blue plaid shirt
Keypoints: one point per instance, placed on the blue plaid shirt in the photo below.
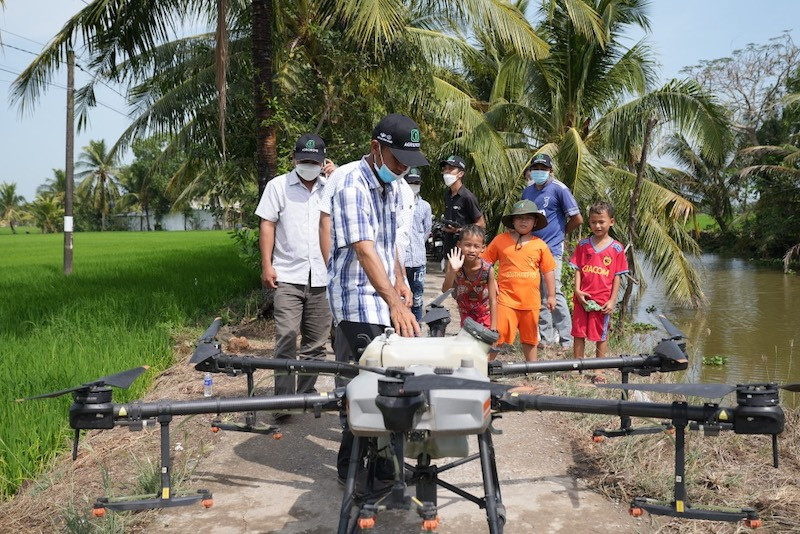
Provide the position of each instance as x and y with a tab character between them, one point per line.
361	210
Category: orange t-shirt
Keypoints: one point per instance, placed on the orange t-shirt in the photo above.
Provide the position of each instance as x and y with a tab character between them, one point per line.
519	278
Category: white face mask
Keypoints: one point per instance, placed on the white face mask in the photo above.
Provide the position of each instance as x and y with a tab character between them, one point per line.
308	171
449	179
414	188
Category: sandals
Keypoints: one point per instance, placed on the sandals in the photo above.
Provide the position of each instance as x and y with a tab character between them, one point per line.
598	379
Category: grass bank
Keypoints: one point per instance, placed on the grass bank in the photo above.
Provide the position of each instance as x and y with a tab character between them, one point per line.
727	470
129	293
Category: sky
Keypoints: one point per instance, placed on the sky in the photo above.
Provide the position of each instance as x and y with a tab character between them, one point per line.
683	33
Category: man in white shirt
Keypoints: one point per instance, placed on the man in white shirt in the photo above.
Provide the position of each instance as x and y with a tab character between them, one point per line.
291	261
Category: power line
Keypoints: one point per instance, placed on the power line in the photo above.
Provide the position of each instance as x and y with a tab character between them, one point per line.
22	37
99	103
76	64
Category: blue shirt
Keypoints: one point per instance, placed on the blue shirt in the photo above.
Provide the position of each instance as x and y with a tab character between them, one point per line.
361	210
415	256
558	204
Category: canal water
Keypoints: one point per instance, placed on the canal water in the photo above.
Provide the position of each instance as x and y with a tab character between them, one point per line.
752	318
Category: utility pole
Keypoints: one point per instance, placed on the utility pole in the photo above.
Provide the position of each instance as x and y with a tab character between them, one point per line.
70	163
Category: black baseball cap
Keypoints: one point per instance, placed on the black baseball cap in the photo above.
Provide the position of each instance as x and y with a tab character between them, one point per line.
413	176
310	147
454	161
541	159
401	134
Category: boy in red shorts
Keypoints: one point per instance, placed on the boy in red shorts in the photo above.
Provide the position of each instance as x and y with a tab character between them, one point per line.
521	257
599	262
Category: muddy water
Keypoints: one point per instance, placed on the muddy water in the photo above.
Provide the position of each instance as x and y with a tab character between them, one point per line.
752	318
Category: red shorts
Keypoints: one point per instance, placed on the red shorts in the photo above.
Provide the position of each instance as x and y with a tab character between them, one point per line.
510	320
590	325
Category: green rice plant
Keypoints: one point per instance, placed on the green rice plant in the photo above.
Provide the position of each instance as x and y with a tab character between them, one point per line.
127	297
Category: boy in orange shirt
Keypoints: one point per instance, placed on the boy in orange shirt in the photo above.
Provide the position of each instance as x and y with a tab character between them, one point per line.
521	256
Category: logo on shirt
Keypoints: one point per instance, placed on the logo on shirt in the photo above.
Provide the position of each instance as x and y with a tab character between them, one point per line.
546	202
607	261
595	269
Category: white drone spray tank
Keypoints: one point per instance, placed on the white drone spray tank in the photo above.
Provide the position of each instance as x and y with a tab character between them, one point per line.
441	428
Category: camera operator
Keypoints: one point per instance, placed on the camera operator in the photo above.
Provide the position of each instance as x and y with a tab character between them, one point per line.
460	204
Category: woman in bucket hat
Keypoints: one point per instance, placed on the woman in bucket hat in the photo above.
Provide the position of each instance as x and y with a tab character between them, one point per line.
521	257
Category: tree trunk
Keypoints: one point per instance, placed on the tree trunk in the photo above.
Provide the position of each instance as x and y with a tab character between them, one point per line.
11	224
266	142
632	219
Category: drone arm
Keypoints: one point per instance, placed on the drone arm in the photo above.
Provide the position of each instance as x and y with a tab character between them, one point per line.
224	363
649	362
324	401
744	419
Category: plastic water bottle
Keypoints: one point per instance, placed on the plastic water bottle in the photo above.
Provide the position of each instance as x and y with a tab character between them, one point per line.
207	385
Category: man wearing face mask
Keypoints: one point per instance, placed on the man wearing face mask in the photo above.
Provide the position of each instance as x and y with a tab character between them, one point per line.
415	258
460	204
291	262
563	216
366	280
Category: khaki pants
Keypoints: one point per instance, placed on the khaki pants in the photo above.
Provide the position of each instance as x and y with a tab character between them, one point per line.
304	311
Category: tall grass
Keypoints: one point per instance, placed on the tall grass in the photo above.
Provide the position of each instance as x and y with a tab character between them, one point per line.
129	292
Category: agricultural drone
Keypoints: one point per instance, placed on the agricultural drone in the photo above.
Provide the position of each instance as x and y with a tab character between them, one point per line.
417	400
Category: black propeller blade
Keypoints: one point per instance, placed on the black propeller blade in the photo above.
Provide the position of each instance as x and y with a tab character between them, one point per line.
211	331
435	314
203	352
672	330
709	391
670	349
427	382
121	380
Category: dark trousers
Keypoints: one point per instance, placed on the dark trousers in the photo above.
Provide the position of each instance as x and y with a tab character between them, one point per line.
351	340
416	282
300	310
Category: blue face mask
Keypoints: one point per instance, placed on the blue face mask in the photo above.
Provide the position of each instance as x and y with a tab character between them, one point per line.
539	177
385	174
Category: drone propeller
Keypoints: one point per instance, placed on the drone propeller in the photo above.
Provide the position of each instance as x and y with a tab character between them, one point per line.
427	382
211	331
709	391
121	380
673	331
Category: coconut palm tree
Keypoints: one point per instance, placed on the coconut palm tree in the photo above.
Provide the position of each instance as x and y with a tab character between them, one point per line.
98	180
121	31
591	105
56	186
708	182
47	213
11	210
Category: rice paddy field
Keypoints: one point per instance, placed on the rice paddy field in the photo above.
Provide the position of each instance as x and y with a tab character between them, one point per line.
128	296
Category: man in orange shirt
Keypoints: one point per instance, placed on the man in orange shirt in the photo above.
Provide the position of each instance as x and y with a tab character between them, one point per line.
522	257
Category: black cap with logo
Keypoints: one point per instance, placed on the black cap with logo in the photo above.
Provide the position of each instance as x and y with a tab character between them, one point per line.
310	147
454	161
401	135
414	176
541	159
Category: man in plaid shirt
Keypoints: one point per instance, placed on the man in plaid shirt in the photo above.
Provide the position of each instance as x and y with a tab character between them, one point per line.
366	283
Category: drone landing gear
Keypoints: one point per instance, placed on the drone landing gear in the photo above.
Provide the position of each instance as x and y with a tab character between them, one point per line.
249	424
680	507
359	510
163	500
625	427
